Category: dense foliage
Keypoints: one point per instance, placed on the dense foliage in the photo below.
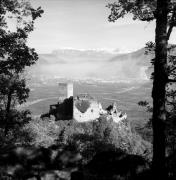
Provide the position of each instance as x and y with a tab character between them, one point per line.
15	56
86	140
164	12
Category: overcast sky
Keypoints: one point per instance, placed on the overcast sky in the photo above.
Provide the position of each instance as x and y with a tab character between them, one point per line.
83	24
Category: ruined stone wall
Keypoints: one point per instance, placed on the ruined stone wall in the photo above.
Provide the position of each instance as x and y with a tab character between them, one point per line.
84	107
92	112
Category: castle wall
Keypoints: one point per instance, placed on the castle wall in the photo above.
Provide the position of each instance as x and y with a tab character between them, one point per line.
83	108
92	113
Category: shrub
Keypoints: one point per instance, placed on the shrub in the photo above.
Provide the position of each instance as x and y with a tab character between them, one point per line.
103	135
89	138
17	132
45	132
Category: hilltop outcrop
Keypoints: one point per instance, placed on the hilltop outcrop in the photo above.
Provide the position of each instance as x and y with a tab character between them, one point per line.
84	108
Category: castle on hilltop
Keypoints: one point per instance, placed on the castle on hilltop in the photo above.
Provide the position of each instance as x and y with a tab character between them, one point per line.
82	108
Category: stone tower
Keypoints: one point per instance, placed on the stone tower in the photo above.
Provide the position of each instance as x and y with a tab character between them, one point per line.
65	90
69	90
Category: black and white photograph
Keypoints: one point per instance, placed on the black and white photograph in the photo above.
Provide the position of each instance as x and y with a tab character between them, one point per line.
87	89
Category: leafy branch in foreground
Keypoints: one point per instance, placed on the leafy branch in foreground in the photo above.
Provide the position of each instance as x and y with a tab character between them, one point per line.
15	55
164	12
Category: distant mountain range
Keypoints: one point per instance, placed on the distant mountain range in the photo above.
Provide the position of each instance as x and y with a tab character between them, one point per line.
92	64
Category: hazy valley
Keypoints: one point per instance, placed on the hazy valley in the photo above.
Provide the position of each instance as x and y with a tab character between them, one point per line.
92	64
109	77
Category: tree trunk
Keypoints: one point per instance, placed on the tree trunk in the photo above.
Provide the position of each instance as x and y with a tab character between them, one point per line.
7	118
159	89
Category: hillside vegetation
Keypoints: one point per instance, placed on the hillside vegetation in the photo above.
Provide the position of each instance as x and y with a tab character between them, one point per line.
70	147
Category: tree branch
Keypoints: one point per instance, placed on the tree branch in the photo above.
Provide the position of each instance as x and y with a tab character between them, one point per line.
171	80
172	23
170	71
169	31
